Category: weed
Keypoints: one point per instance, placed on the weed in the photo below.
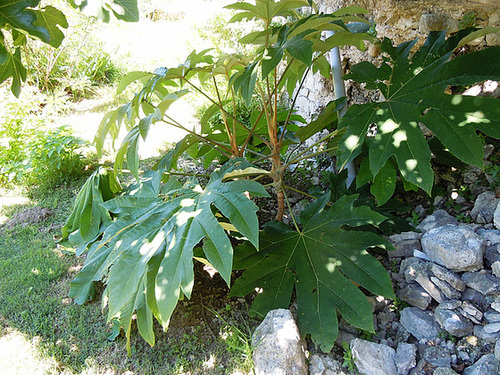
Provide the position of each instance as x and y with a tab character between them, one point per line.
468	20
348	358
414	219
399	305
238	338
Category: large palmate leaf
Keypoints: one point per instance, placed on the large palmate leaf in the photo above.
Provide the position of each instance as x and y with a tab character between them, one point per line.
20	18
89	219
413	90
322	262
146	255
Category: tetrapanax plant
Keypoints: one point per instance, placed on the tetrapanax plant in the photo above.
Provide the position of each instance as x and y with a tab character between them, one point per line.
414	93
143	239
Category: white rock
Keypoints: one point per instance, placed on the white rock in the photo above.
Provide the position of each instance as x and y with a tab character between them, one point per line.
456	247
373	359
279	349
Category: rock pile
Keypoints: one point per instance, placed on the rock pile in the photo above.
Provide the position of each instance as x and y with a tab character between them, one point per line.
447	317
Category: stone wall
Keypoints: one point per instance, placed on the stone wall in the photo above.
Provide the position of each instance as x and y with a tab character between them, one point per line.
400	20
406	19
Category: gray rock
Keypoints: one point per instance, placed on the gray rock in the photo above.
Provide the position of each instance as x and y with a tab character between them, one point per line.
450	304
455	247
480	333
437	219
420	324
495	305
316	365
471	175
344	336
492	236
373	359
412	267
469	310
426	283
405	236
492	255
406	358
495	268
484	207
497	350
487	365
496	217
437	356
415	295
444	371
325	365
492	316
279	348
477	298
492	327
435	22
484	283
405	248
452	322
449	276
405	243
446	288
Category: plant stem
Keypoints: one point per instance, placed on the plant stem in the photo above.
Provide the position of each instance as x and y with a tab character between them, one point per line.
203	175
295	161
222	109
299	191
291	213
293	104
299	156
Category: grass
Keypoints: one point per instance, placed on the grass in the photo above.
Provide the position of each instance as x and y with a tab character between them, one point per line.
43	332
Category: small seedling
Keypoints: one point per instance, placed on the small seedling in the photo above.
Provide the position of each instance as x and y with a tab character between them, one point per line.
348	358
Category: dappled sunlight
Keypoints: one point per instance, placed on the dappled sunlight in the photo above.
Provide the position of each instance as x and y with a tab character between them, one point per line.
157	240
417	70
456	99
332	264
474	118
183	217
399	136
10	201
351	142
19	355
388	126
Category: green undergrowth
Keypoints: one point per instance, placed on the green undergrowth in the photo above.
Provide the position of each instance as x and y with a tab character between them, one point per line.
34	282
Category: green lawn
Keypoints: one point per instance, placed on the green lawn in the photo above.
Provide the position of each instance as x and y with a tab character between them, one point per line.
43	332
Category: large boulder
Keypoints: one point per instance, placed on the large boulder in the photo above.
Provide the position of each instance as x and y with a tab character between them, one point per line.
457	248
279	350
